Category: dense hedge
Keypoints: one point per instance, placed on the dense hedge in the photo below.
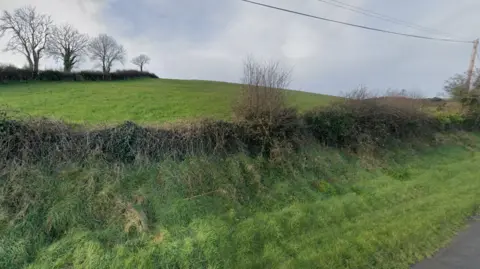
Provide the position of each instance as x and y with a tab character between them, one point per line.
10	73
369	122
352	125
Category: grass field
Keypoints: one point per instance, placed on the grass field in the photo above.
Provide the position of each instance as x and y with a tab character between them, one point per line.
317	208
142	101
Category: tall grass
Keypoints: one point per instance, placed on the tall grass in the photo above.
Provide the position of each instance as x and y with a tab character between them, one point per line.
317	208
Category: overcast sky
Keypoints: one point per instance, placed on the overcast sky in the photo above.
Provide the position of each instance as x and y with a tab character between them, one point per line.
209	39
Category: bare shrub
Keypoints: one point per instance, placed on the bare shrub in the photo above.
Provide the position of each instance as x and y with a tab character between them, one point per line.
261	107
398	98
360	93
262	93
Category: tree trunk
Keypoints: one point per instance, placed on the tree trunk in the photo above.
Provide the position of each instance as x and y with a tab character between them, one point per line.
141	68
30	67
35	70
36	62
67	66
68	61
30	63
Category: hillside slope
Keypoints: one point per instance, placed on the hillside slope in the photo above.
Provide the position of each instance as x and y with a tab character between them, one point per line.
142	101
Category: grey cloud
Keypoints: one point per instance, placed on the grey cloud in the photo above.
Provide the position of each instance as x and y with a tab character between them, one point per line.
194	21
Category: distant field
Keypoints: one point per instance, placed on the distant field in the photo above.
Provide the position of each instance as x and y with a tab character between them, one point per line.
142	101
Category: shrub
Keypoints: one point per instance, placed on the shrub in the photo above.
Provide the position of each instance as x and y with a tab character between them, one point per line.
11	73
456	86
53	75
451	121
369	121
261	97
261	107
127	74
470	101
361	121
260	135
53	142
353	124
436	99
78	77
92	75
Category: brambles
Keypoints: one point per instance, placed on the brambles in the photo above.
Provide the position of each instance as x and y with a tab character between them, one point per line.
355	124
363	120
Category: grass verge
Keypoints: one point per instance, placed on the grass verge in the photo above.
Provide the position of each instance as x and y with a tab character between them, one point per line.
317	208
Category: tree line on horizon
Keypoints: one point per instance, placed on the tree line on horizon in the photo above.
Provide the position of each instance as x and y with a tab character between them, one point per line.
35	36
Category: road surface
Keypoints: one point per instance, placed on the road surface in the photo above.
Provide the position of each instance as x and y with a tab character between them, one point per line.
462	253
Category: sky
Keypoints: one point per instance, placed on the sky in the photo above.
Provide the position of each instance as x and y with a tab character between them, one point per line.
210	39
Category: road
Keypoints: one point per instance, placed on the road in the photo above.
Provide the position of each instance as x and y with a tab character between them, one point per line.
462	253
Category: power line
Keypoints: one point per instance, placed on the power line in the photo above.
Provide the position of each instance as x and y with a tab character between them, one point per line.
380	16
356	25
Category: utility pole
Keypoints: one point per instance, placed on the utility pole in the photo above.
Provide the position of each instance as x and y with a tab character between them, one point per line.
472	65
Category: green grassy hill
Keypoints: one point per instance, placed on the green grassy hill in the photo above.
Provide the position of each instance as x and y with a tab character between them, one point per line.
142	101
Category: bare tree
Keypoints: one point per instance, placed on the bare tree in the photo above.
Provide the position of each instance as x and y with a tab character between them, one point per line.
140	61
68	45
29	33
106	51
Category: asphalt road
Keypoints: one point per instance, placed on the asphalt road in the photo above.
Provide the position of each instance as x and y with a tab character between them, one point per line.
462	253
